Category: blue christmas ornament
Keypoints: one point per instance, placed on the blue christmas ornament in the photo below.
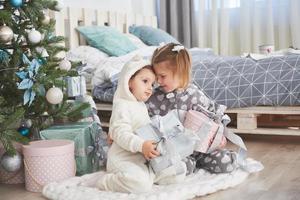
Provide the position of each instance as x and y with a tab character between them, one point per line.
16	3
23	131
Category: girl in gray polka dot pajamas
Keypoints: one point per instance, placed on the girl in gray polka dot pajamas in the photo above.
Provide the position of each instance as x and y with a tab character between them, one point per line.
172	66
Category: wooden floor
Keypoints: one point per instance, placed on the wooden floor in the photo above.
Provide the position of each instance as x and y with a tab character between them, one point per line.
280	180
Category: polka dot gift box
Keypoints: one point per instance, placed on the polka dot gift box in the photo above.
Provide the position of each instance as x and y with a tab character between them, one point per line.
47	161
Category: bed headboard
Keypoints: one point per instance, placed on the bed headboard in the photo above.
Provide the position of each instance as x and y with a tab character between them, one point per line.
69	18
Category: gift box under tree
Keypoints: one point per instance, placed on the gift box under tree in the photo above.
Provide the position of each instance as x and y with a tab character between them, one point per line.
85	135
76	86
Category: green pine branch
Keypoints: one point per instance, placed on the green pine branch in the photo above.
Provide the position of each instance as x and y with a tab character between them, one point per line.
8	128
21	20
8	137
10	121
75	113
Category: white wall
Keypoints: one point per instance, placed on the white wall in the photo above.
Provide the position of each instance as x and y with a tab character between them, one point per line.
144	7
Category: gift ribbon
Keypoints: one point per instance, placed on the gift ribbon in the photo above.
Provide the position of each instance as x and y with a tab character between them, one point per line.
165	143
92	149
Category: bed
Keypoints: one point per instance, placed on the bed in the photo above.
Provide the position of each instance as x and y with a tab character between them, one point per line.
233	81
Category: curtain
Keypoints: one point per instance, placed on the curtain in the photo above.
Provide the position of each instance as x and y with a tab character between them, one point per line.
232	27
175	17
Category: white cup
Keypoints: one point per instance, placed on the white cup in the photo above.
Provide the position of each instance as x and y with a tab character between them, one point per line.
266	49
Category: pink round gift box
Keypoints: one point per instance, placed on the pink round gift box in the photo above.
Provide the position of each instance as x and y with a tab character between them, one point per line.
47	161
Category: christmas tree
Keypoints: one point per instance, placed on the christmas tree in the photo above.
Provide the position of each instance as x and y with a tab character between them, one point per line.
31	75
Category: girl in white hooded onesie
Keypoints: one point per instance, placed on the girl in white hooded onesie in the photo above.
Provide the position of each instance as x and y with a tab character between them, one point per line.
127	171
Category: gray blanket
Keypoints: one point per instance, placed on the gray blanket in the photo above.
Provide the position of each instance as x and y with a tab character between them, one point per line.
239	82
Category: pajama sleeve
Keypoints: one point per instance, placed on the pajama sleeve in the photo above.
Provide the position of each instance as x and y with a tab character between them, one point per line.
121	130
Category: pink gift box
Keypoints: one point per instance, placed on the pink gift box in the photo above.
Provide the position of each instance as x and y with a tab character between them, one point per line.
47	161
204	127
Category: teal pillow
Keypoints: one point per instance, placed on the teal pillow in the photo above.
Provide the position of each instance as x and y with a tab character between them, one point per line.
151	36
107	39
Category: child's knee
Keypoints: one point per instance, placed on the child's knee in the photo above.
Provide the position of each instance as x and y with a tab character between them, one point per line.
219	161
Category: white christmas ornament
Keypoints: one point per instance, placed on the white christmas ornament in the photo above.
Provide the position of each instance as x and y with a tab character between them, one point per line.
65	65
34	36
54	95
11	163
6	34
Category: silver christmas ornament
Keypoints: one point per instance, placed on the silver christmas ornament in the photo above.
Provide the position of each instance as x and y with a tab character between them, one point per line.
11	163
26	123
6	34
46	20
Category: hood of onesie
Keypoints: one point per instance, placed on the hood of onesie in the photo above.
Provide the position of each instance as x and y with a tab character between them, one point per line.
135	64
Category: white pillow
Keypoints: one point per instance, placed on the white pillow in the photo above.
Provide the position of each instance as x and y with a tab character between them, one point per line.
111	66
136	41
86	54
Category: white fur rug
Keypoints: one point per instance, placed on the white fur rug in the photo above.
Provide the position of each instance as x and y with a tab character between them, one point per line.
199	184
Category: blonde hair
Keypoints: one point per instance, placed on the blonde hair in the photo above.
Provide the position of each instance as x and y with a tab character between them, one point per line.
179	58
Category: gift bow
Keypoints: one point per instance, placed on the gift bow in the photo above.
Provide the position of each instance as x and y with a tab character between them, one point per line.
172	142
165	134
165	145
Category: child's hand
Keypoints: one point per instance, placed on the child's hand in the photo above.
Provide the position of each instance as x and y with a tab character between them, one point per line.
149	150
109	139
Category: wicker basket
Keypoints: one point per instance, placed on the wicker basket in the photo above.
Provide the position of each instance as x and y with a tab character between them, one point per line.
47	161
11	177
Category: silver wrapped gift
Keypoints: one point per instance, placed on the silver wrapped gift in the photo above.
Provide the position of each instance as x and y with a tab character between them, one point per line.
76	86
172	141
